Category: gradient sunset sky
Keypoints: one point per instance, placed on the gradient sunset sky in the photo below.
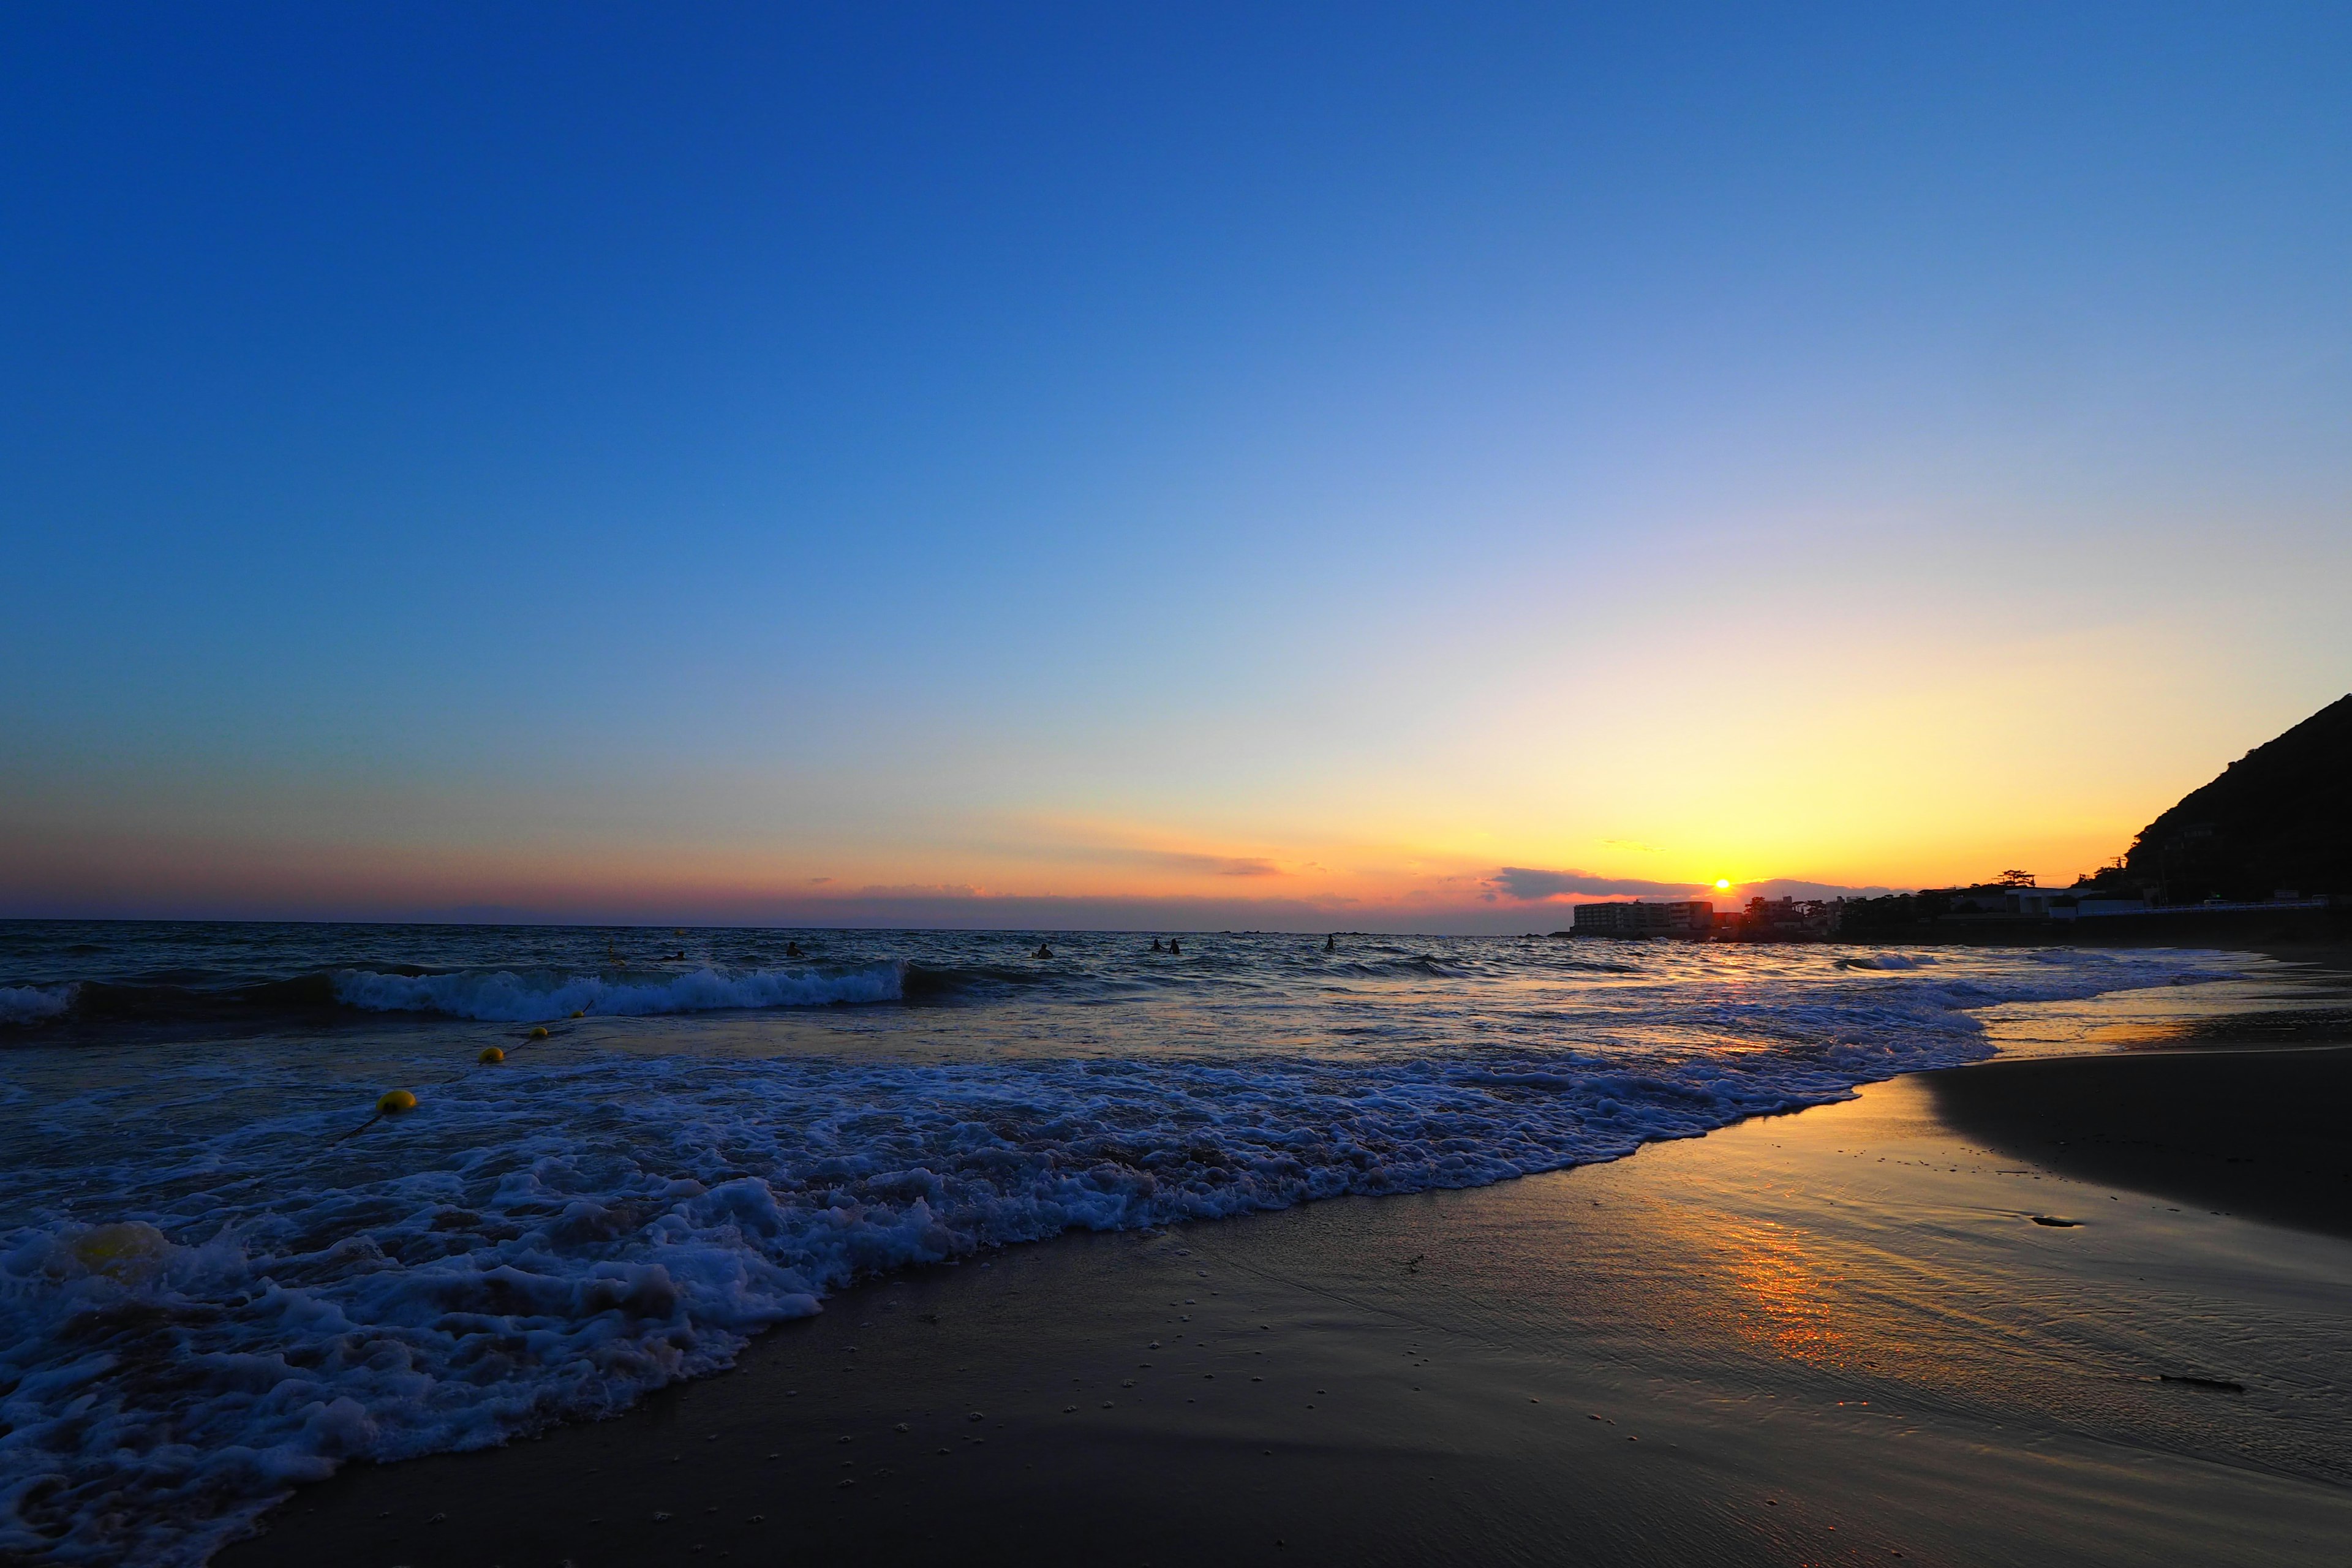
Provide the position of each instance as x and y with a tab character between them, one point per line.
1136	466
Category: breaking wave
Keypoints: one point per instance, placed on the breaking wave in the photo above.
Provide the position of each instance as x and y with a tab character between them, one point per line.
34	1004
507	997
494	995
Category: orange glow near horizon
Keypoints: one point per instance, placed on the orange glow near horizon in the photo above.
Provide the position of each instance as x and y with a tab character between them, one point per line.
1091	870
1844	789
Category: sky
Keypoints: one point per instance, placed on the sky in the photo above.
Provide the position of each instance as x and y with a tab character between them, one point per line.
1298	467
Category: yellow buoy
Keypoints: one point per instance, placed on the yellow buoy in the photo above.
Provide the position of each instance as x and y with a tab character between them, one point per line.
395	1101
490	1054
582	1014
126	1250
539	1032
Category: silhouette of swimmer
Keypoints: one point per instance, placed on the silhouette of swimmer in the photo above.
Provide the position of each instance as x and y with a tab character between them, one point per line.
1331	944
1156	947
1043	952
611	954
1175	946
791	949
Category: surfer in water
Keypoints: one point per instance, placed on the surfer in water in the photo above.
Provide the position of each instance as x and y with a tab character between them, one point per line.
1043	952
1331	943
792	950
1156	947
1175	946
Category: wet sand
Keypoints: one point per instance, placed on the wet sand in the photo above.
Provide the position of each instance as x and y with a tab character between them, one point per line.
1835	1337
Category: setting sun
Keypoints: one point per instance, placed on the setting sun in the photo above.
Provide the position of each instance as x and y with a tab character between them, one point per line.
1723	884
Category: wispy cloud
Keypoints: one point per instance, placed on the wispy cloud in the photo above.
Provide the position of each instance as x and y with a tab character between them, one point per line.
1186	862
1529	885
1214	864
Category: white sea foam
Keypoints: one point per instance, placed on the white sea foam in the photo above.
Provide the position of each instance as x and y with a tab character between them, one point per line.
506	996
554	1238
33	1004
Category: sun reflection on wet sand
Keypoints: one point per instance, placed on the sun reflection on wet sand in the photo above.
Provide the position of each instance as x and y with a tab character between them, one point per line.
1866	1247
1790	1306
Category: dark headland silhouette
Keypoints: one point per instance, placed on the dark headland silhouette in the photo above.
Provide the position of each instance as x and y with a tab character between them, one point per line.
2261	854
2279	818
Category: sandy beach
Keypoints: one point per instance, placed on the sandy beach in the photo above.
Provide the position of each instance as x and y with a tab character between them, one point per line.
2030	1311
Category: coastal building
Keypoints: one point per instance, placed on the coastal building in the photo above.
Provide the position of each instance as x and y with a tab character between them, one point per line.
2095	908
2081	904
2008	897
1784	920
1986	898
1684	918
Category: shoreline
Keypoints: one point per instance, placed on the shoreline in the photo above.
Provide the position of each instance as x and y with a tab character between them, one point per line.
1699	1353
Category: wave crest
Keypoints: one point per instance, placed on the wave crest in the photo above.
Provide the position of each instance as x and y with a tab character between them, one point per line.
505	996
34	1004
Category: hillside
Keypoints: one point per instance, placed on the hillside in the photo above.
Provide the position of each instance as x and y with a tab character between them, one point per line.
2278	817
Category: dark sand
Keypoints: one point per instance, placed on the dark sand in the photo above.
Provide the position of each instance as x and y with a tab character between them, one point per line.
2258	1133
2236	1101
1834	1337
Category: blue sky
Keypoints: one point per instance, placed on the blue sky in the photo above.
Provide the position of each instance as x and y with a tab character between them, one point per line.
636	461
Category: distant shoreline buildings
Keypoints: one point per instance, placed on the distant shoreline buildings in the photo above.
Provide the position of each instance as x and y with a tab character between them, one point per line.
2009	910
1687	917
1696	920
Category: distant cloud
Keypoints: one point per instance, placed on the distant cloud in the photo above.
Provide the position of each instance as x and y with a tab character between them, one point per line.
1529	885
919	890
1526	885
819	882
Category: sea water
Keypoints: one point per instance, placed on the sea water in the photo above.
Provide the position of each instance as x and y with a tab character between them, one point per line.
221	1274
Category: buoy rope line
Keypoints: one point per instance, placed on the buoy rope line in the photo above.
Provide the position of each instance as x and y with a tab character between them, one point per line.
400	1101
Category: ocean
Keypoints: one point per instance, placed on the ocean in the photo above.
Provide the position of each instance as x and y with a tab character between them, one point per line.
222	1273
